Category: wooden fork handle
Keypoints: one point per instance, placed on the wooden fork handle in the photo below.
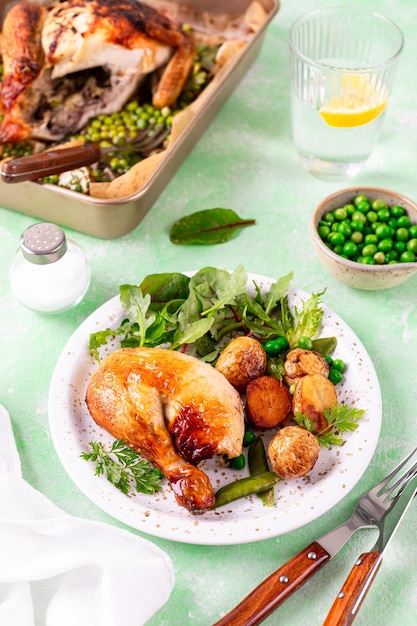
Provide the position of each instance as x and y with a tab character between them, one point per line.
50	162
346	606
277	587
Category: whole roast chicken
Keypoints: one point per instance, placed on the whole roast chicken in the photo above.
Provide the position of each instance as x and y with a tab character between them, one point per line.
73	60
174	410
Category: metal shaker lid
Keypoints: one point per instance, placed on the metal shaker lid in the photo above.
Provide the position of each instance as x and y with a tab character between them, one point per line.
43	243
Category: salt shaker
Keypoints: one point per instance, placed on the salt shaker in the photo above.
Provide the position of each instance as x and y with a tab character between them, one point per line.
49	272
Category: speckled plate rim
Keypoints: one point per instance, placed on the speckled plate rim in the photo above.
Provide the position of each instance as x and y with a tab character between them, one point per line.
298	502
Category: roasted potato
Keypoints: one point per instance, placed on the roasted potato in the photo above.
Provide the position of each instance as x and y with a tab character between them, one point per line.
313	394
293	452
268	402
301	362
242	360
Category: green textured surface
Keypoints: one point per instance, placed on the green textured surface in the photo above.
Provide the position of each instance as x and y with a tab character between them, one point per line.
246	161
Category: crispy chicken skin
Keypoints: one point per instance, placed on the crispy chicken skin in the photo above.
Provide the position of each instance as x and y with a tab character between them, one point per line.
174	409
79	58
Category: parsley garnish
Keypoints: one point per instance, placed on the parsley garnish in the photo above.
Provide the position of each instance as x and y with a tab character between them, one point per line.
123	467
340	418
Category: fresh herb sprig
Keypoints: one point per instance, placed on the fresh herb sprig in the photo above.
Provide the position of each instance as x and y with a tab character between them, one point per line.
124	467
340	419
178	311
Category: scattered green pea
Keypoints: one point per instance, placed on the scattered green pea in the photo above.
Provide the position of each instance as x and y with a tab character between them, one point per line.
275	346
306	343
335	376
238	463
248	438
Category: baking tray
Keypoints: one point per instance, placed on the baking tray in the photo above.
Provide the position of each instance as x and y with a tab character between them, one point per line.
112	218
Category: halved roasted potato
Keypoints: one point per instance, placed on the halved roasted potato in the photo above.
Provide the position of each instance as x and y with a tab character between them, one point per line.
268	402
300	362
242	360
313	394
293	452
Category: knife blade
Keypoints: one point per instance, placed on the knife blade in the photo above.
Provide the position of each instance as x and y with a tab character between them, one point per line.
349	600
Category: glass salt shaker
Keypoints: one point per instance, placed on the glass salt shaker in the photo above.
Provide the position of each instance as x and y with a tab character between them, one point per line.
49	272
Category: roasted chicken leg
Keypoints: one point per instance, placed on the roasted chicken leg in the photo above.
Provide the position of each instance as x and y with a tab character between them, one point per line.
173	409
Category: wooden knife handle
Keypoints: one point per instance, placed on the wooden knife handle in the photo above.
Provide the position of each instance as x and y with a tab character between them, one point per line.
50	162
346	606
277	587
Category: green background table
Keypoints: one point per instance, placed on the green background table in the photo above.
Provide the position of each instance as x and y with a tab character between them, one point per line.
246	161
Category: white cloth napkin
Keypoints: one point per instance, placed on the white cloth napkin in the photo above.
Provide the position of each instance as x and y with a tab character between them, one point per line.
59	570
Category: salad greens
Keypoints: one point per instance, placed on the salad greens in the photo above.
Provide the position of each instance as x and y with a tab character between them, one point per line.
195	313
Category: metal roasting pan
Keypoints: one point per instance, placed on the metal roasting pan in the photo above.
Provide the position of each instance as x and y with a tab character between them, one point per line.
107	218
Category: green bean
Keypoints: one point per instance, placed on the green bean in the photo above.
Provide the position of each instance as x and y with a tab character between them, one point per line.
258	464
245	487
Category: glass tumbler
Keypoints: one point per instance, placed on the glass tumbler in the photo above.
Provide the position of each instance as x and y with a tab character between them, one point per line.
343	62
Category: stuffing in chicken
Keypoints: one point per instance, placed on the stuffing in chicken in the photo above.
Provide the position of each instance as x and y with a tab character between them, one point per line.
174	410
79	58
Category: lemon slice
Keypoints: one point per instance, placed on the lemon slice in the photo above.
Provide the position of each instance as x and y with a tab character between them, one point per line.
358	104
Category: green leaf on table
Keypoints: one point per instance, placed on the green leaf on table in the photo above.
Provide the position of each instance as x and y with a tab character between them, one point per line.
209	226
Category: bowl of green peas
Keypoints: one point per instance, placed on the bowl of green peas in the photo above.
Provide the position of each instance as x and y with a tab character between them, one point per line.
366	237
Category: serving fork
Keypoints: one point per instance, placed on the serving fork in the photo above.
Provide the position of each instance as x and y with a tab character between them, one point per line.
58	160
383	507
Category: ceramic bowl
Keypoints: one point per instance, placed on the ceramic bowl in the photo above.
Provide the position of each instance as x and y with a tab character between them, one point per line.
351	273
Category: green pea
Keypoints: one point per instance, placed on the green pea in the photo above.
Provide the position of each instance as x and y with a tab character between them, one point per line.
336	239
357	225
401	246
248	438
404	221
371	238
335	376
329	217
385	244
349	208
323	231
383	214
392	255
350	249
378	204
306	343
360	198
397	211
407	257
412	245
358	216
372	216
379	258
328	359
345	229
357	237
339	365
340	214
369	250
238	462
382	231
363	207
412	231
274	346
401	234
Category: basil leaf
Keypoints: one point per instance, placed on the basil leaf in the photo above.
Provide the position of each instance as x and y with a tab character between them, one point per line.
209	226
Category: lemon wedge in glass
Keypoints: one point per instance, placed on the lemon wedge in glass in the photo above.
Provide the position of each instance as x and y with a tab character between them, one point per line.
358	103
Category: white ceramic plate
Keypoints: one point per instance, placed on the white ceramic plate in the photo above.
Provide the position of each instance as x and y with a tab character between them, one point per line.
298	502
